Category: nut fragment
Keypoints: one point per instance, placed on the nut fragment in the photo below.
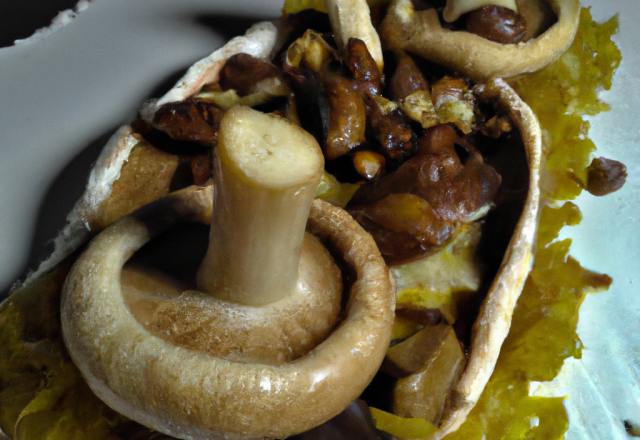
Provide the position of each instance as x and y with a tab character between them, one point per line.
347	116
433	370
494	23
605	176
368	164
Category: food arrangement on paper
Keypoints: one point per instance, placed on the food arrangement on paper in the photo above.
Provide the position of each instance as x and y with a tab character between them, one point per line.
323	229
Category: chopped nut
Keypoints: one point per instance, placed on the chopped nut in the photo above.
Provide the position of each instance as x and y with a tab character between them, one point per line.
496	23
454	103
347	117
605	176
366	76
419	107
368	164
407	78
309	51
495	126
190	120
391	128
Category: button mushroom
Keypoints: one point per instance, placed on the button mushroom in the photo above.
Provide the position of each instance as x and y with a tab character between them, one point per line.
136	340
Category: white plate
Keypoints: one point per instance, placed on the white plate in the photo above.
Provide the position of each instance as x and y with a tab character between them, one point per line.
62	96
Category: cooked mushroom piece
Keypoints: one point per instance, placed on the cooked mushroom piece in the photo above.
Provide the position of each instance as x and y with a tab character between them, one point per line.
257	352
421	32
428	364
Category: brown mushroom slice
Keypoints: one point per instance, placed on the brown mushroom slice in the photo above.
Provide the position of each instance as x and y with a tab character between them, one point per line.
407	78
367	77
347	115
421	32
352	19
186	392
191	120
498	24
412	354
430	364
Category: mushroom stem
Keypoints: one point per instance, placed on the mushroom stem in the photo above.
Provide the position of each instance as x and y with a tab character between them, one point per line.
264	186
352	19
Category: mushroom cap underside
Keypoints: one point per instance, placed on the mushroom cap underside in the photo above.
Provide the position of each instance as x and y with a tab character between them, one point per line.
274	333
189	394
